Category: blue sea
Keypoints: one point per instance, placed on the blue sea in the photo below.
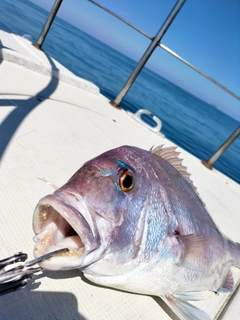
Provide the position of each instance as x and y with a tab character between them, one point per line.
188	121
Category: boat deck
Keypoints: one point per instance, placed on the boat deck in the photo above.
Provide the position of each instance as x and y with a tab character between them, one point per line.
51	123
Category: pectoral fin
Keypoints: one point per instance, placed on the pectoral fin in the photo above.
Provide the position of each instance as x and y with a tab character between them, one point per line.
195	244
193	247
183	309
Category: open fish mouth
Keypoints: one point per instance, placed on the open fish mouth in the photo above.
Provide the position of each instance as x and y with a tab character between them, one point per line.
63	220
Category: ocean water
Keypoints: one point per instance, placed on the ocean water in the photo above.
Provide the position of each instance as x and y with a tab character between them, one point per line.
188	121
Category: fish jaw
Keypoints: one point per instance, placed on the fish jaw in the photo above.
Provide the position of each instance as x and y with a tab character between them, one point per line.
59	223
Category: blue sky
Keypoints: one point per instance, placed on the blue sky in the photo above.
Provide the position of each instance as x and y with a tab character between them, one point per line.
205	33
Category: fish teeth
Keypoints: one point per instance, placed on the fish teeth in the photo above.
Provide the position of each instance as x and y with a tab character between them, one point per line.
45	240
42	217
43	214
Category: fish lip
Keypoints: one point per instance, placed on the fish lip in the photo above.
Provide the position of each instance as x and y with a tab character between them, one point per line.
57	209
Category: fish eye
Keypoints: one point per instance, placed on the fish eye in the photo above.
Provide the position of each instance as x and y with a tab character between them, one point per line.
126	181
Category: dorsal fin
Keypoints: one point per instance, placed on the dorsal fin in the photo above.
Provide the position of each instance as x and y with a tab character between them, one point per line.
171	156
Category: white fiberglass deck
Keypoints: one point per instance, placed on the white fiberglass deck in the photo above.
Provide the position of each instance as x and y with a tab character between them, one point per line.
49	128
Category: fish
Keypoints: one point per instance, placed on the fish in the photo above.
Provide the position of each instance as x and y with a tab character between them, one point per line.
133	220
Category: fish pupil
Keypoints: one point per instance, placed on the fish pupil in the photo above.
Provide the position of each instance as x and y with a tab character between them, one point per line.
127	182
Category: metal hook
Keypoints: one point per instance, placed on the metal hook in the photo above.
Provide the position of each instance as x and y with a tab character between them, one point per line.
15	272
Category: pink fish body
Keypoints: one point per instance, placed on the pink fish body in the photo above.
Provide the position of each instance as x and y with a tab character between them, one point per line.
132	220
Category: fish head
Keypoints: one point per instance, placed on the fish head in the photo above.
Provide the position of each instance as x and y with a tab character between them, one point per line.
96	211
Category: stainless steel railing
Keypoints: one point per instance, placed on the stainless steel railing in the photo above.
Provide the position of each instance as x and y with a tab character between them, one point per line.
221	149
48	24
179	3
155	41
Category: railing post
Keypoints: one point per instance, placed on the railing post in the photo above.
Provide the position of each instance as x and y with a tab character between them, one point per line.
148	52
220	151
48	24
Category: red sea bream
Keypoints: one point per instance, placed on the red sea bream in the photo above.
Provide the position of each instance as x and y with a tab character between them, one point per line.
132	220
